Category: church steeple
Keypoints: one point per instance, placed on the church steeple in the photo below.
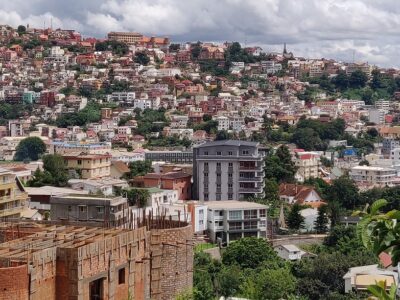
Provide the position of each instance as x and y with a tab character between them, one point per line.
284	49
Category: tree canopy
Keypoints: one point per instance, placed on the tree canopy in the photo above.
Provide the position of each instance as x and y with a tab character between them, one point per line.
30	148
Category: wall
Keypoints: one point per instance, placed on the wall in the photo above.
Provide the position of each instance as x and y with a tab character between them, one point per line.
9	290
172	262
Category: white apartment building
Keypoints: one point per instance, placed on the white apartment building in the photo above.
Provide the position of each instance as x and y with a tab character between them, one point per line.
307	164
122	97
377	116
223	123
373	175
231	220
146	103
227	170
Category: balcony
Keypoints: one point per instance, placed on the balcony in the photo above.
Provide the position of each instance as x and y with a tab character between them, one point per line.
11	211
251	179
253	190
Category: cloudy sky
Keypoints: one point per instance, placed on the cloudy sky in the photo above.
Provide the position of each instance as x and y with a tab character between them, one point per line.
369	30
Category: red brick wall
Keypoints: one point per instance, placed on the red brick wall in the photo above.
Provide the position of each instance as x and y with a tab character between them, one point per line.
14	283
172	262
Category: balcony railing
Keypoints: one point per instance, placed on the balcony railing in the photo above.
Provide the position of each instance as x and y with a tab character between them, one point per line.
251	179
250	190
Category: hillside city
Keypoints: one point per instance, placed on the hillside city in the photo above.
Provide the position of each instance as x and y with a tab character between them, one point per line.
137	167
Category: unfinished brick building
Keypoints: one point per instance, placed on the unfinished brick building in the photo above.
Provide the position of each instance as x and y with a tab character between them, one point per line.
56	262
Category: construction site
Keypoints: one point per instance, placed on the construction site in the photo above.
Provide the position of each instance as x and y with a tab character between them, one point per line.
53	261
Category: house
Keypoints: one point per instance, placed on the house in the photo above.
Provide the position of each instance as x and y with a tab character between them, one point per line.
88	166
89	208
118	169
179	181
231	220
359	278
293	193
289	252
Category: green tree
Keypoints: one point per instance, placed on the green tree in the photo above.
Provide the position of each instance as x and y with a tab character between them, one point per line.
223	135
139	168
229	280
279	165
307	139
271	284
295	220
341	81
30	148
142	58
248	252
321	223
203	286
54	164
137	197
54	172
21	29
358	79
344	191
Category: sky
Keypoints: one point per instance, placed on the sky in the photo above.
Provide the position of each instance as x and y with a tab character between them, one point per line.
363	30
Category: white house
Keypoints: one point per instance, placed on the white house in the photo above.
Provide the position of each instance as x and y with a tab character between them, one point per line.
289	252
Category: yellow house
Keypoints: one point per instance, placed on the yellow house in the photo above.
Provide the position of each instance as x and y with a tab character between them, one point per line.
13	197
89	166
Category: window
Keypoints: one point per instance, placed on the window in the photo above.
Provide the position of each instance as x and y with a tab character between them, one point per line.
235	225
79	162
218	164
206	196
245	152
69	208
219	175
100	209
218	197
250	225
262	213
230	196
219	153
230	185
201	222
206	174
218	185
121	276
230	165
262	223
250	214
206	164
205	152
230	175
82	208
230	153
235	215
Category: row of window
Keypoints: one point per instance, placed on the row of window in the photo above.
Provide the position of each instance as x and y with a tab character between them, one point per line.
230	153
218	164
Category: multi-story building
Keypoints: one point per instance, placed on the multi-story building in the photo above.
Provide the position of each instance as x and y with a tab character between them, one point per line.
179	181
13	197
232	220
89	208
170	156
71	147
377	116
388	144
126	37
227	170
88	166
373	175
307	164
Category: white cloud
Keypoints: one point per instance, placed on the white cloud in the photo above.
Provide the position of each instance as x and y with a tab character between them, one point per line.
330	28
